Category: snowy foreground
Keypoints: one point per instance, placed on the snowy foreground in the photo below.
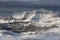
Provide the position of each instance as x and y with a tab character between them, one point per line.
48	27
51	34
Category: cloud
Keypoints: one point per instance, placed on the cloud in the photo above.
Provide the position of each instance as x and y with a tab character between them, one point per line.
36	2
46	2
19	0
50	2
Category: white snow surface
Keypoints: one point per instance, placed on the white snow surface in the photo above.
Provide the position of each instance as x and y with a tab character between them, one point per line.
51	34
48	18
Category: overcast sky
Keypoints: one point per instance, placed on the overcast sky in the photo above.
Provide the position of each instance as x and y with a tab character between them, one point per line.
40	2
50	2
19	0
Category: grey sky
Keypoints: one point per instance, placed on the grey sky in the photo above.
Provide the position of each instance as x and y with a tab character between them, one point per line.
36	2
44	2
19	0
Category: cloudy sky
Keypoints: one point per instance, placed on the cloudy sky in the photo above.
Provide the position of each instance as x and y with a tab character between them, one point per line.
30	2
44	2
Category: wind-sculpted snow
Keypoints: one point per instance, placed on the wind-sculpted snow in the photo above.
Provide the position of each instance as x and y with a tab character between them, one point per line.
32	20
37	24
18	15
47	19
